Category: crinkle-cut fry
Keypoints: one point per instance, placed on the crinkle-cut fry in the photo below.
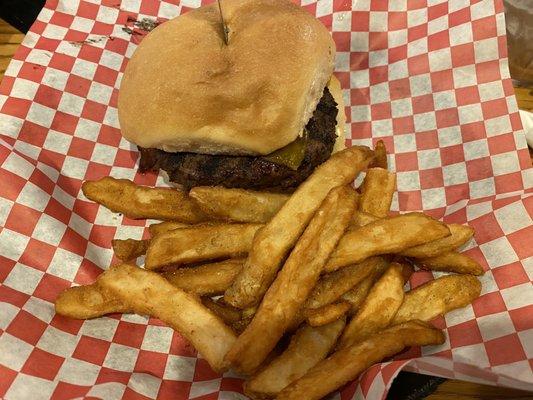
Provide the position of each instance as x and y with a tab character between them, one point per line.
452	261
207	279
328	313
437	297
272	243
163	227
293	284
377	191
459	235
238	205
332	286
144	291
198	244
129	249
384	236
378	309
347	364
308	346
86	302
135	201
225	312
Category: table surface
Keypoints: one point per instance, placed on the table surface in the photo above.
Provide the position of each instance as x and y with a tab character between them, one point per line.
10	38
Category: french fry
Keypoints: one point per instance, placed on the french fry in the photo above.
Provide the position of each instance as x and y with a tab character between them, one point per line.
145	291
332	286
327	314
452	262
388	235
308	346
135	201
91	301
459	235
197	244
380	151
377	190
129	249
379	308
361	219
438	297
225	312
241	324
293	284
246	318
164	227
86	302
273	242
237	204
358	294
205	280
348	363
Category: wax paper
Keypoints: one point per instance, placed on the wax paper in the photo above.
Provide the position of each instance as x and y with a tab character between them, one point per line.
429	77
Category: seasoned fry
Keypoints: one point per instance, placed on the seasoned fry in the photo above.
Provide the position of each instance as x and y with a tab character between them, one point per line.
145	291
327	314
273	242
86	302
459	235
293	283
361	219
135	201
308	346
205	280
188	245
378	309
377	190
346	364
238	205
333	285
452	262
91	301
247	316
388	235
438	297
380	152
358	294
163	227
225	312
129	249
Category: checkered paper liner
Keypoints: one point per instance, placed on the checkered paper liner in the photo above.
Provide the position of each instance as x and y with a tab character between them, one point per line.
429	77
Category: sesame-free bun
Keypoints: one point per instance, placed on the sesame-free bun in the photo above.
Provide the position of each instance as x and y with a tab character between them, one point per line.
185	90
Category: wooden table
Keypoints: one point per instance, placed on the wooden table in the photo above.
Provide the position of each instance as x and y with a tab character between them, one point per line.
451	389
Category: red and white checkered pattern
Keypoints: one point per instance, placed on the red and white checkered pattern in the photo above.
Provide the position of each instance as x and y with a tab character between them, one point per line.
429	77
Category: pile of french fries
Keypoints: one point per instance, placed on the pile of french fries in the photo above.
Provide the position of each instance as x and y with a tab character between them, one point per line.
236	271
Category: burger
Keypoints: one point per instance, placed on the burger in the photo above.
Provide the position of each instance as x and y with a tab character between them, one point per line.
261	111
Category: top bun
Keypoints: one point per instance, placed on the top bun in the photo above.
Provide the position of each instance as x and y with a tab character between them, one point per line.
185	90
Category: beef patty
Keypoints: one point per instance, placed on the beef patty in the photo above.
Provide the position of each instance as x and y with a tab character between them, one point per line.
250	172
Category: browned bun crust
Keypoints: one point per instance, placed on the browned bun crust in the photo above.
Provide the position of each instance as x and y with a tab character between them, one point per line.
185	90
